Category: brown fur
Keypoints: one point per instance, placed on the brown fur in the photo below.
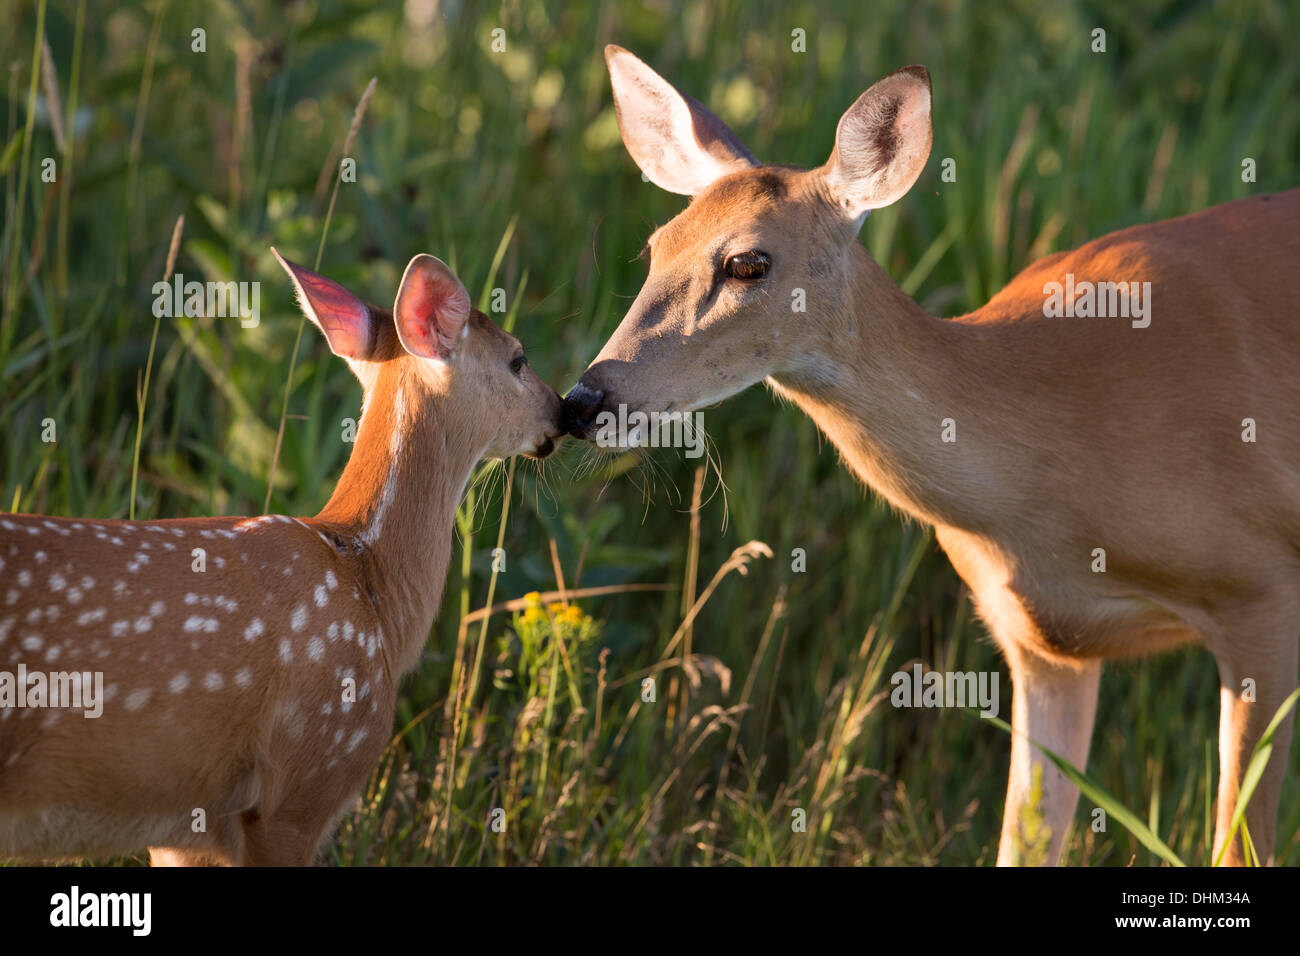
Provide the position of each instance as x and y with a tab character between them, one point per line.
270	752
1072	433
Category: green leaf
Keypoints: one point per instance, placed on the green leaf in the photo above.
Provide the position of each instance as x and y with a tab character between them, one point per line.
1099	796
1255	770
11	152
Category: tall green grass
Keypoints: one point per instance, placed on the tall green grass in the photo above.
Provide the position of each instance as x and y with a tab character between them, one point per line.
508	166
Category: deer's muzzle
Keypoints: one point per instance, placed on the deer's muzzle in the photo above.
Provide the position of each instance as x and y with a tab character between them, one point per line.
581	406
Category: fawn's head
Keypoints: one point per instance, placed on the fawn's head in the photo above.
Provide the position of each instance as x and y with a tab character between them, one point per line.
744	282
443	349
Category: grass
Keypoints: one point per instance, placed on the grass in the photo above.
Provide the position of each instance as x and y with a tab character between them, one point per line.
770	739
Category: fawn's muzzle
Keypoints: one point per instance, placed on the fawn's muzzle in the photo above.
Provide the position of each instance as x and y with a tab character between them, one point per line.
581	406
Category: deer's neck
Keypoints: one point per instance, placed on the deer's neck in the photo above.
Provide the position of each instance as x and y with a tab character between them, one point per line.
396	503
887	383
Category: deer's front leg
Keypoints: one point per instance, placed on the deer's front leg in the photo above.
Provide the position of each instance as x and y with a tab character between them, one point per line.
1053	705
1245	711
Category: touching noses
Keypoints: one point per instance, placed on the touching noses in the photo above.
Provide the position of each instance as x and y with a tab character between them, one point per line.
581	406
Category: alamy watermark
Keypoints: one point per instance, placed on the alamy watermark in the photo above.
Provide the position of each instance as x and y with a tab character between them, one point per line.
133	911
1101	300
651	430
946	689
76	690
223	300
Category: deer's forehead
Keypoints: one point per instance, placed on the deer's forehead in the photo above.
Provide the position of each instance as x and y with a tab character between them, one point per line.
492	335
743	201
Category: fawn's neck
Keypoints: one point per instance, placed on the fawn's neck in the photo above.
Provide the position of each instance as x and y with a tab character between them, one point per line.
882	379
396	501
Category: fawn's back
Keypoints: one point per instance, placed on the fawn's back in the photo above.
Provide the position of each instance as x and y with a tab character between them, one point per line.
220	688
211	677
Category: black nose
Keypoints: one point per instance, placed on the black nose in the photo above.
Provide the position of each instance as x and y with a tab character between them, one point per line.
581	406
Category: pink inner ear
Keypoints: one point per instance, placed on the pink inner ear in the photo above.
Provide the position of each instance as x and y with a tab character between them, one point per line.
431	310
343	317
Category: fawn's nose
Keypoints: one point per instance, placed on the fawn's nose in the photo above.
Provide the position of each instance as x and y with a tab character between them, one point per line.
581	406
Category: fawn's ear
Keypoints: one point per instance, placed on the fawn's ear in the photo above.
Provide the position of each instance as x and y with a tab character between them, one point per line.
881	143
677	142
345	320
431	310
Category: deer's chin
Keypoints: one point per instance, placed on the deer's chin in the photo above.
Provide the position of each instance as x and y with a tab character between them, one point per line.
544	449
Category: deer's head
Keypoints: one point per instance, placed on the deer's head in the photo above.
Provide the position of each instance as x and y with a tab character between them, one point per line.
435	348
746	282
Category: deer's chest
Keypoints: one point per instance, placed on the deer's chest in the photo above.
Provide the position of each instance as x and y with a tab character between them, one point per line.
1035	602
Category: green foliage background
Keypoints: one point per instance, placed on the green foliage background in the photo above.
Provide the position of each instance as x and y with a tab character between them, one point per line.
473	154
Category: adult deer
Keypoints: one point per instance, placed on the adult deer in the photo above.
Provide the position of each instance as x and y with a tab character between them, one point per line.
250	687
1072	434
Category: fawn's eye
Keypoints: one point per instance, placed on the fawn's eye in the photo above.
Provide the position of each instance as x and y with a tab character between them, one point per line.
747	266
517	364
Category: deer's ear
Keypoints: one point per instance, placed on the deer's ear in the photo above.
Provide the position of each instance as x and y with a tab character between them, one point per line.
345	320
431	310
881	143
679	145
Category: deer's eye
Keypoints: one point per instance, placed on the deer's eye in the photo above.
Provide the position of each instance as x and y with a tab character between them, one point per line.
517	364
747	266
